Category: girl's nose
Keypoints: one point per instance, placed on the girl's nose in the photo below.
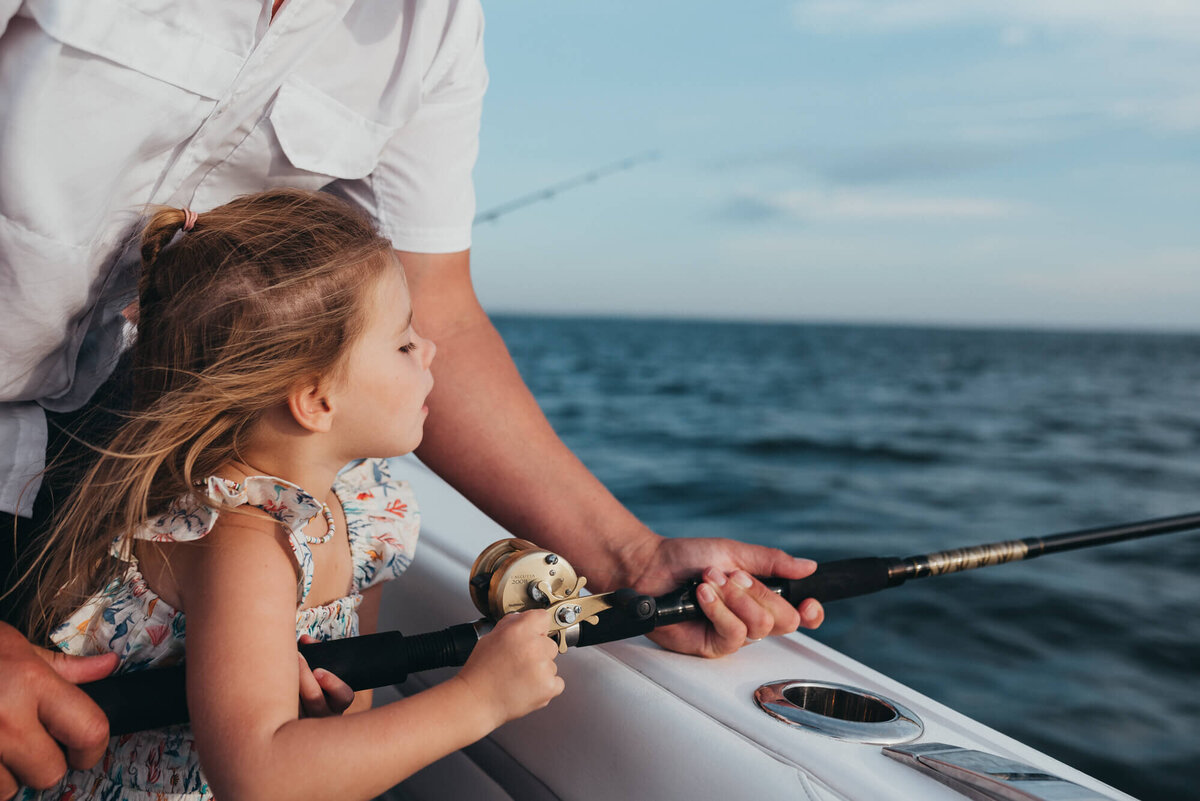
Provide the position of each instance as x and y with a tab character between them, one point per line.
428	352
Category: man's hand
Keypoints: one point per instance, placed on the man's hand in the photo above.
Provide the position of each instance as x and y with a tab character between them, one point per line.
739	608
42	712
549	497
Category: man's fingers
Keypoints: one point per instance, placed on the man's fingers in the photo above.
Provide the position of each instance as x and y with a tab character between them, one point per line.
761	561
79	669
38	762
73	719
8	785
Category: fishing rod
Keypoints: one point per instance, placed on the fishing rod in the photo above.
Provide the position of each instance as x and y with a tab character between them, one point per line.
591	176
513	575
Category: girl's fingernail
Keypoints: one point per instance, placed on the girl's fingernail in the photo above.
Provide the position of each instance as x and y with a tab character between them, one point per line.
742	579
806	563
705	593
715	576
320	673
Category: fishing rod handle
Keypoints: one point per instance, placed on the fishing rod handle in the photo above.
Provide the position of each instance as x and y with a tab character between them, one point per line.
151	699
832	581
843	578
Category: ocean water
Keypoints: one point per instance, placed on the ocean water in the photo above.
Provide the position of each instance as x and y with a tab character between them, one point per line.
833	441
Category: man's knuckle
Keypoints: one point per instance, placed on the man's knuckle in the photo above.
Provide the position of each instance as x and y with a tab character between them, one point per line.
92	729
48	772
29	674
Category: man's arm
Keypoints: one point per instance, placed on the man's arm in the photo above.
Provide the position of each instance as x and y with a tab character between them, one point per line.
487	437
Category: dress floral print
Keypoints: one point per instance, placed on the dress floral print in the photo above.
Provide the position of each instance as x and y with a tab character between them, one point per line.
127	618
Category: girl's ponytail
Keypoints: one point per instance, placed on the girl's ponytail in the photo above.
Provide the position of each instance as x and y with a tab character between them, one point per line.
164	226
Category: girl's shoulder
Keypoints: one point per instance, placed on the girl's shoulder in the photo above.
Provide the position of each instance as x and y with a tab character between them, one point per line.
192	516
382	520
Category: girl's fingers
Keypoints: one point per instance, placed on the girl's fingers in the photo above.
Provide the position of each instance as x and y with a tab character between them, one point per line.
312	698
763	612
728	632
812	614
337	693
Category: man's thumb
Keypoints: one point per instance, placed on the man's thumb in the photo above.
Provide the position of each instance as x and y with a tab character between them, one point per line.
79	669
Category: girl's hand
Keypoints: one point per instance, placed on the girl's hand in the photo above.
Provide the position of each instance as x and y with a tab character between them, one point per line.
738	607
322	694
512	670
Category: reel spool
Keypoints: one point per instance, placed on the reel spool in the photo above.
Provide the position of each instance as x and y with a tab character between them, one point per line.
513	575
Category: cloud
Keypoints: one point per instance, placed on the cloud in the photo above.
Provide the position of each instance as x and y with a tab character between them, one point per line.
891	164
864	166
1169	114
913	161
749	208
840	205
1165	274
1177	20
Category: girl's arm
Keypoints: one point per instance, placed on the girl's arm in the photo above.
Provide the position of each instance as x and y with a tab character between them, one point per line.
239	590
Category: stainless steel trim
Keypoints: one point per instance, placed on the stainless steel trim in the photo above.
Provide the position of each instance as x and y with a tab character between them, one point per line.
839	711
987	777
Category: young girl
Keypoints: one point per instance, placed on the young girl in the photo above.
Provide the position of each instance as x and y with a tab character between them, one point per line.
275	345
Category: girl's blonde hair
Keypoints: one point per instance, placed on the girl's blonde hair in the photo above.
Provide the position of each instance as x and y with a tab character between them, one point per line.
263	292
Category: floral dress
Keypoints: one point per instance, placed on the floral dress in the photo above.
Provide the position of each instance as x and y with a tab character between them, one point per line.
126	617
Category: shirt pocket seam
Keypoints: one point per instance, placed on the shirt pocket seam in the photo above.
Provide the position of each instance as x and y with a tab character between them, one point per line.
319	134
131	39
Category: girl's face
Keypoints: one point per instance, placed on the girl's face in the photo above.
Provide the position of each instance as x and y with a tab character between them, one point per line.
379	405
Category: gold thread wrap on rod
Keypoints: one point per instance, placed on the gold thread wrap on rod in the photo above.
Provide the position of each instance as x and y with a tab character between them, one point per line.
957	559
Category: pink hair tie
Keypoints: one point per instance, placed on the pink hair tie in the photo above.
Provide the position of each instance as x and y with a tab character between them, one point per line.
189	219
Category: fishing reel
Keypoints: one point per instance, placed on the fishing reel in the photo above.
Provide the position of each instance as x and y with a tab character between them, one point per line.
513	575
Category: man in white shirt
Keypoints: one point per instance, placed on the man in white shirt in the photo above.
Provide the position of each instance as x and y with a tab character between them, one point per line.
112	106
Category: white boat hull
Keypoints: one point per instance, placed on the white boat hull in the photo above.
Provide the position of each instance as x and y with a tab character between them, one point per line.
639	722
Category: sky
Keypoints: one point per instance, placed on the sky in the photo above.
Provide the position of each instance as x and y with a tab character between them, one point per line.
943	162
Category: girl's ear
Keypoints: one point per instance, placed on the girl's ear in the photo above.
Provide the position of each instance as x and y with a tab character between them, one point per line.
311	406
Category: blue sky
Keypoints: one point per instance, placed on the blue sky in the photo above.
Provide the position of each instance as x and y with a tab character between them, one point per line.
917	161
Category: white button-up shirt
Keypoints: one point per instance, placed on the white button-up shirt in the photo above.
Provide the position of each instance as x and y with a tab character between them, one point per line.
110	105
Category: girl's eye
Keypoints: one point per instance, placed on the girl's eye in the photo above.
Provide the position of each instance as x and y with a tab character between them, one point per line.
409	348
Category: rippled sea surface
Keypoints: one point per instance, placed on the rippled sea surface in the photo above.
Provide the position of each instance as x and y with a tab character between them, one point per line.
836	441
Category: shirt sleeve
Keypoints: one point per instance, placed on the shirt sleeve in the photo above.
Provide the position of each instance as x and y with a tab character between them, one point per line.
8	9
423	190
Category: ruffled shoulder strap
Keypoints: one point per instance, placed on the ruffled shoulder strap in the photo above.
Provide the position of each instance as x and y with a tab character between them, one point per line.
382	521
188	519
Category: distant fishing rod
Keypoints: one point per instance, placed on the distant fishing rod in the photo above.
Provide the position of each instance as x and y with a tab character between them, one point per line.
591	176
513	575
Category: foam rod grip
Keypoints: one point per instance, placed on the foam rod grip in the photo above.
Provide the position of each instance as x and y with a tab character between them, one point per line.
833	581
151	699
